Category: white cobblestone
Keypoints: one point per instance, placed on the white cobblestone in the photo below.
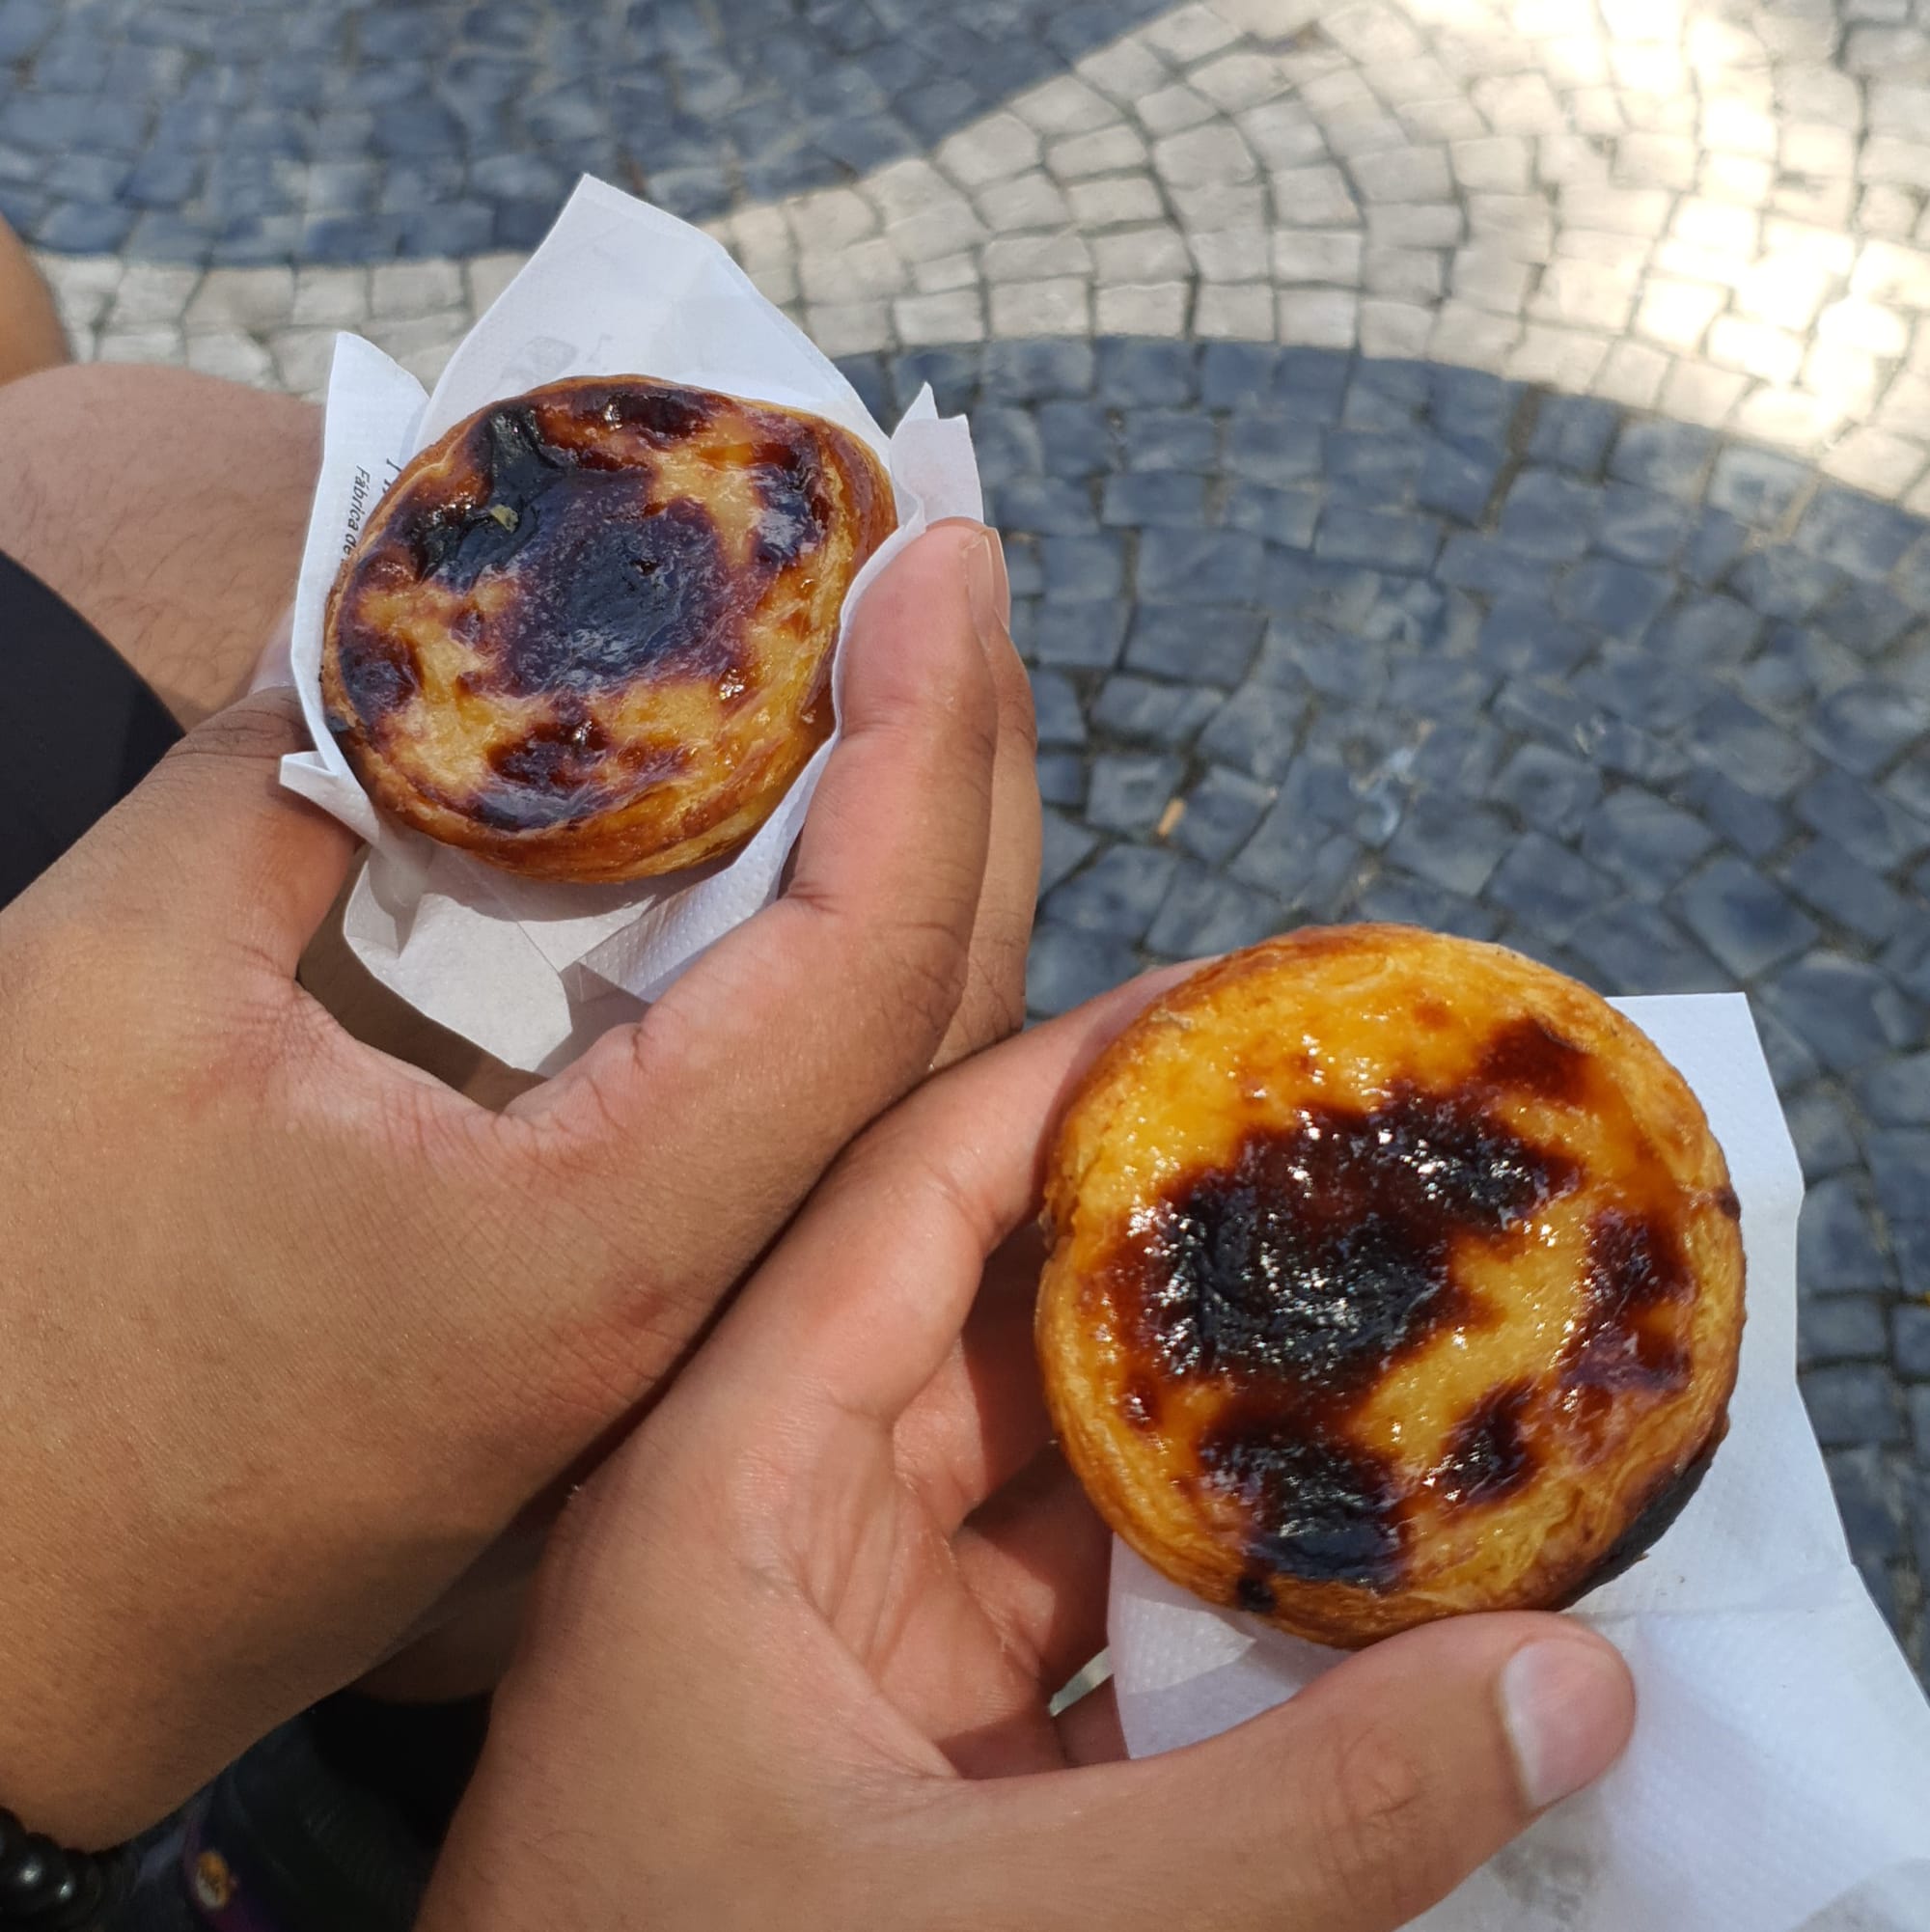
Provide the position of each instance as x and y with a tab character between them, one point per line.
776	281
395	288
150	295
1886	210
1676	313
832	218
1141	255
1817	147
1885	272
1125	71
1219	206
302	357
947	272
1632	375
1887	157
1852	379
486	276
1027	201
1737	177
1060	306
1577	293
957	316
1472	338
1238	313
854	328
942	228
1519	225
1122	198
1854	324
1238	80
1172	108
1204	157
1521	103
1448	119
1490	278
1365	133
1317	255
1656	160
1188	32
1313	197
864	271
1153	309
1318	317
1499	162
1415	225
1407	175
988	150
1109	151
1562	358
1789	417
1395	328
153	344
1037	258
1065	106
230	354
1698	392
1876	460
1283	134
1404	274
249	299
1776	355
1234	255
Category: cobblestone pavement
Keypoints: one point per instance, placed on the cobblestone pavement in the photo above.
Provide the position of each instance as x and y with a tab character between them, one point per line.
1712	208
1460	463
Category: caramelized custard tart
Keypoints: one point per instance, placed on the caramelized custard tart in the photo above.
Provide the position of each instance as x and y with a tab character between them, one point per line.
588	634
1391	1277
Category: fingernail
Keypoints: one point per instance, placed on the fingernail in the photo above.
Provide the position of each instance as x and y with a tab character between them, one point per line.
274	669
1567	1705
988	590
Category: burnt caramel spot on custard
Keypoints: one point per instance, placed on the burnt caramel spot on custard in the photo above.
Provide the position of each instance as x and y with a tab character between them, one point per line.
1321	1252
1636	1267
1527	1056
616	590
1487	1457
665	415
1254	1593
788	476
1319	1510
1727	1203
1295	1274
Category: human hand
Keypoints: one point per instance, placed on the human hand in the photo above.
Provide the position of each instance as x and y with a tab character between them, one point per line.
791	1650
293	1331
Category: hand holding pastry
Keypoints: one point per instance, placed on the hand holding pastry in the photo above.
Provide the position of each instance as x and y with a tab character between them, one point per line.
792	1648
293	1332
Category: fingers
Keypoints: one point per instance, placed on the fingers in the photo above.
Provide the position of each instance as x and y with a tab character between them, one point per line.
210	852
982	1418
810	1019
993	1002
1037	1558
1352	1808
860	1309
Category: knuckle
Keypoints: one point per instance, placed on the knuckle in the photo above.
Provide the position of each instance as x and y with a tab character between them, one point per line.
1374	1834
263	727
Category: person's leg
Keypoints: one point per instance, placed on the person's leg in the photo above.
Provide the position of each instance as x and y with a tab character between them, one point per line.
31	335
168	509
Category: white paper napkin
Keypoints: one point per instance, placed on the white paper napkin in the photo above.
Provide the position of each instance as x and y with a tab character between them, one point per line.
527	970
1779	1777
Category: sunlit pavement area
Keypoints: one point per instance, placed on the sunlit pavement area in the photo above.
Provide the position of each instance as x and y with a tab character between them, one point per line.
1458	463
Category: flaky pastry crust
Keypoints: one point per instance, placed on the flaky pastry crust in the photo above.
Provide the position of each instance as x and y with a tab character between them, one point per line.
1391	1277
588	634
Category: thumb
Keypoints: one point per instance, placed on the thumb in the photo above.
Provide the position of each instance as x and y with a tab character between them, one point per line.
1352	1808
210	851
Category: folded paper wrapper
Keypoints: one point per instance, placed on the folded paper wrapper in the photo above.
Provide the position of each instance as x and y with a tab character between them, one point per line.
528	970
1780	1777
